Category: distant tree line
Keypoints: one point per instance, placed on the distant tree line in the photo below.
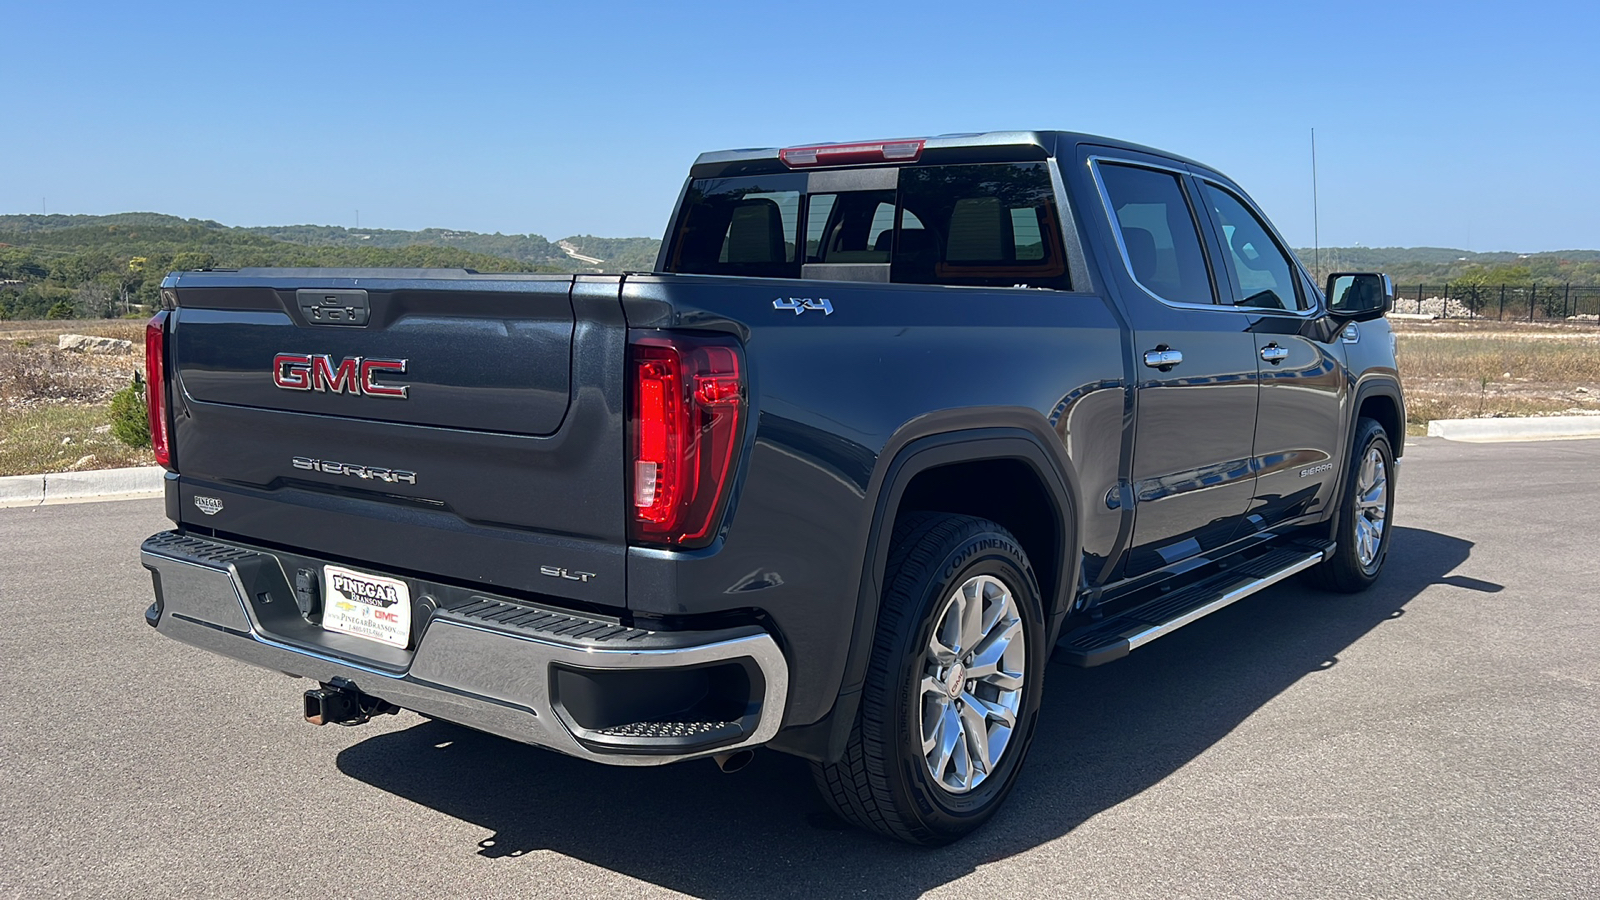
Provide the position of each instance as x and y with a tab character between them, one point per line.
1438	265
104	271
106	266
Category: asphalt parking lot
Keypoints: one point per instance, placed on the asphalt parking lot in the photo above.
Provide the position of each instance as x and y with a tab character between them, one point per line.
1438	736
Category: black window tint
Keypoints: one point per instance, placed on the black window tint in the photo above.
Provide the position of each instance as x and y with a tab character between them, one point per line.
852	227
991	224
1260	268
1159	233
740	226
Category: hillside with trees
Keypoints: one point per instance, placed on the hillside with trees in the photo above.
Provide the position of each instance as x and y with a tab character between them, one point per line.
104	266
106	270
1440	265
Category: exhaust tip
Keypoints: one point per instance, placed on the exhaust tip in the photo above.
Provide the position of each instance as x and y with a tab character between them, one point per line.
733	762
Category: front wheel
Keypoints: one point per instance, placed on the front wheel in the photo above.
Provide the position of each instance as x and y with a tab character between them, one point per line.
1366	508
952	692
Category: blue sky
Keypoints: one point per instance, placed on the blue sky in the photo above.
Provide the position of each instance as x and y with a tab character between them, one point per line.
1461	124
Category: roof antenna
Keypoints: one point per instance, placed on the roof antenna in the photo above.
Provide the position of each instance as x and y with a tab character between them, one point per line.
1316	232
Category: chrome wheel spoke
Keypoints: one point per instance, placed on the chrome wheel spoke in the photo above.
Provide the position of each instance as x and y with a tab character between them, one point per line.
996	712
939	652
971	614
976	730
986	661
949	741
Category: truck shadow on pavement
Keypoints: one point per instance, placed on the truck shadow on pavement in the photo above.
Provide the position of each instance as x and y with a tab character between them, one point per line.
1105	735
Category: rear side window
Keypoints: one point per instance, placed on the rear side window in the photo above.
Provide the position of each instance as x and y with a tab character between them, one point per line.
1159	233
987	224
741	226
990	224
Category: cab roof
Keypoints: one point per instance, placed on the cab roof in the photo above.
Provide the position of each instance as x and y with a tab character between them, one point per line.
965	147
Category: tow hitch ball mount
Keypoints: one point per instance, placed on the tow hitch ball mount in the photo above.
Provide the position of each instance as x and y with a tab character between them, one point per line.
340	702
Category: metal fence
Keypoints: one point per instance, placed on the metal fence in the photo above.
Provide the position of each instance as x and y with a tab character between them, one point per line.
1565	303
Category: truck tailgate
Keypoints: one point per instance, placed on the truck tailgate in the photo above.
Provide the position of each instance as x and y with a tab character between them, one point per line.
438	421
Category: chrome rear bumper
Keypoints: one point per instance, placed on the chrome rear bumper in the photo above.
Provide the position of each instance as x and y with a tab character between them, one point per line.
490	663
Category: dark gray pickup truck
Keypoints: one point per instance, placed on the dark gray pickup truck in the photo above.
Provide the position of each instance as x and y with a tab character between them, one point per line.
890	426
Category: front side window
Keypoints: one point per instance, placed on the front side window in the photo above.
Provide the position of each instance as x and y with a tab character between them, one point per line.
1159	233
1260	268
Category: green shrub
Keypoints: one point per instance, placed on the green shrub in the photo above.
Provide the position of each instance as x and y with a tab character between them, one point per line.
130	421
61	310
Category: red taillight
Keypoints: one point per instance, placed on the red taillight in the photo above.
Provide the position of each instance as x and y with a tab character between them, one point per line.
155	378
851	154
685	414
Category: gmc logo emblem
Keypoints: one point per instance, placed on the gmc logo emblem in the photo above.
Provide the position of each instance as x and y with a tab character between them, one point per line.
316	372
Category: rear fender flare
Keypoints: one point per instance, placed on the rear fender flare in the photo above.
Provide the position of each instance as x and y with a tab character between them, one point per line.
952	436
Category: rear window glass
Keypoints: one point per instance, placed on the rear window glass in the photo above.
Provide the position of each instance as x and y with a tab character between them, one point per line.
741	226
987	224
991	224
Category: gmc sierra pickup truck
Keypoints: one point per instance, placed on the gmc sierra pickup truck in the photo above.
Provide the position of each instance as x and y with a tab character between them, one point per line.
891	426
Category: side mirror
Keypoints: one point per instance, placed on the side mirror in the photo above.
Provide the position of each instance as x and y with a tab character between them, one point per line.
1359	296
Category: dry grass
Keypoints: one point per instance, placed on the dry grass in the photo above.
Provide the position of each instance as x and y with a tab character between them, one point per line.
53	404
1463	370
62	437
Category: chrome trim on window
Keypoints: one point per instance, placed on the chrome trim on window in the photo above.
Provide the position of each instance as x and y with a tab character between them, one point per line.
1116	226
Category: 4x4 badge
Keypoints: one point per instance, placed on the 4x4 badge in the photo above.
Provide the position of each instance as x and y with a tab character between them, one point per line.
801	304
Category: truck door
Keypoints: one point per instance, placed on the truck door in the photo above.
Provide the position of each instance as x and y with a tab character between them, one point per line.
1195	368
1299	433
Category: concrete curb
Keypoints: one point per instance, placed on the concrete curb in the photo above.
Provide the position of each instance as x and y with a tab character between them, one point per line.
1545	428
78	487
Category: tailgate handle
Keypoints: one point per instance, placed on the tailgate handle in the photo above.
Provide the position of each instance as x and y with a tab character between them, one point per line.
335	307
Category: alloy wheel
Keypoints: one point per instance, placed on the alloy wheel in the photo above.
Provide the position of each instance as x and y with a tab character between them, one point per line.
971	690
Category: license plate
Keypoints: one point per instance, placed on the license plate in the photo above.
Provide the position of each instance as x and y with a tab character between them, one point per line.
368	606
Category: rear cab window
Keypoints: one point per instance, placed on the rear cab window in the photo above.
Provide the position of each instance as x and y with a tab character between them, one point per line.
983	224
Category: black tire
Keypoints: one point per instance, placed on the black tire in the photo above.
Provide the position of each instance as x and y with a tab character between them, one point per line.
1345	571
883	782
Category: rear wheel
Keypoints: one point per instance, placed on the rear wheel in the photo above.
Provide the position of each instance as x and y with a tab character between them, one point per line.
1367	505
952	692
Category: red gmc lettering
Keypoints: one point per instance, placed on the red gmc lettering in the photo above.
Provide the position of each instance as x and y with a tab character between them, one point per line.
353	375
292	372
369	367
344	380
386	616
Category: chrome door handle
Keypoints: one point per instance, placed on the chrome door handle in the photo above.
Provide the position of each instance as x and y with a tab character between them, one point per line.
1274	354
1162	358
